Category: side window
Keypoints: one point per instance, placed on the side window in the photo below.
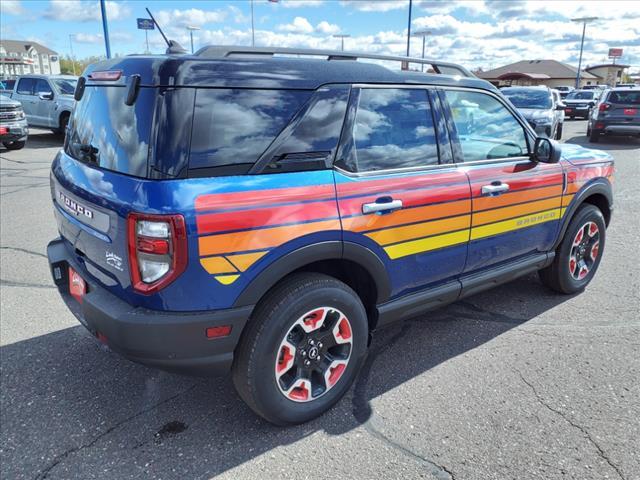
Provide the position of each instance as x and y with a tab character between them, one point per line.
393	128
233	127
25	86
485	127
42	86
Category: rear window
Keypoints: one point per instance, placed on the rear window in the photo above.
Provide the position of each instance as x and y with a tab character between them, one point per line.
105	132
628	98
233	127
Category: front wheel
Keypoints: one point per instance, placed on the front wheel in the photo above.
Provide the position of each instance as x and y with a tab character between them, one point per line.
302	349
579	254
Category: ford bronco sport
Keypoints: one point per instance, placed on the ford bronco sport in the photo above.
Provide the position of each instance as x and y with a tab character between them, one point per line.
262	212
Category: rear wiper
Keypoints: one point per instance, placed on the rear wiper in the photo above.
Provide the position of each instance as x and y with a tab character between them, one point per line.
89	152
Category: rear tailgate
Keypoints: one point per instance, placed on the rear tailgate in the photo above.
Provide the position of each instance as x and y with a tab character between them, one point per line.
624	108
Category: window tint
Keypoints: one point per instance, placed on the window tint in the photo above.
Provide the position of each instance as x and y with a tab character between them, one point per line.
42	86
25	86
485	128
631	97
393	129
235	126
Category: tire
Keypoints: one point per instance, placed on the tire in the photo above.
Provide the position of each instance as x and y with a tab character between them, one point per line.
14	145
566	274
594	136
275	346
588	130
572	117
64	121
559	132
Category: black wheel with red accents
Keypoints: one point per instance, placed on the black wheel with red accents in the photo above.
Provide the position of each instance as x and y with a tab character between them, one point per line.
302	349
579	254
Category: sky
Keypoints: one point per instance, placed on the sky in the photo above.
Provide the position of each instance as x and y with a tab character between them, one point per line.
483	33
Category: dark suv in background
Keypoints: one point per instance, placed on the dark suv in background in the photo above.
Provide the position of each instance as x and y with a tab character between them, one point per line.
617	113
580	102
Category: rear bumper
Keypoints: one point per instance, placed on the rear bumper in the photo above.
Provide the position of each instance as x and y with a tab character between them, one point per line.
172	341
16	132
622	129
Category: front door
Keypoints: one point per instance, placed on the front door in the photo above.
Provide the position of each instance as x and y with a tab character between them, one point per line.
396	194
515	201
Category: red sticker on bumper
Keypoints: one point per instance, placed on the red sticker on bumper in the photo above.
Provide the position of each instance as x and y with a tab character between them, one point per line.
77	285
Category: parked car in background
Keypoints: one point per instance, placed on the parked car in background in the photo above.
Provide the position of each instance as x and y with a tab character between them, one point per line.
580	102
617	113
47	100
13	124
6	87
540	107
564	90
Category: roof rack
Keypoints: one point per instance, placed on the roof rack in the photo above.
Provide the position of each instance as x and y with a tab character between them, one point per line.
445	68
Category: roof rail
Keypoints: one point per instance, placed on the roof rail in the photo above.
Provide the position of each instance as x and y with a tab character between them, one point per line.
446	68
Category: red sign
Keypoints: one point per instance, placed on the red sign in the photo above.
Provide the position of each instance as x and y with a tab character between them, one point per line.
615	52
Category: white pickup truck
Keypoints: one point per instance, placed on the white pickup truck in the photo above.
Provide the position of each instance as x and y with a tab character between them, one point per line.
47	100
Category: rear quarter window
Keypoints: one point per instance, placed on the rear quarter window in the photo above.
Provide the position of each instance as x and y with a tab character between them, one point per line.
233	127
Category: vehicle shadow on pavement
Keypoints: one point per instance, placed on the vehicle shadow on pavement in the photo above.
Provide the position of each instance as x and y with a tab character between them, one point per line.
606	142
72	409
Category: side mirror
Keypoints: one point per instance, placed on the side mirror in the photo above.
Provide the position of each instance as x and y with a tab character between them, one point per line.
546	150
45	95
560	107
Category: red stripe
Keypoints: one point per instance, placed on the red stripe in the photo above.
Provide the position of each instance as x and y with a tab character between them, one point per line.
516	183
363	187
351	206
221	222
253	198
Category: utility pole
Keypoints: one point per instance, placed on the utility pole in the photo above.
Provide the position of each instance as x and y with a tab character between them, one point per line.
341	36
423	34
105	28
191	29
409	26
73	58
584	21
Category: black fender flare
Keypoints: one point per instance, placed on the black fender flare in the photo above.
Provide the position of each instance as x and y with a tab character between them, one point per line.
330	250
599	186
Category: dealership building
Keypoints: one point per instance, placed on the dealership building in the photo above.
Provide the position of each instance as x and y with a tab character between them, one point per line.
20	57
553	74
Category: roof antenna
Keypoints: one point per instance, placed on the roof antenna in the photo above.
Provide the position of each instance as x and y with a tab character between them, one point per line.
172	45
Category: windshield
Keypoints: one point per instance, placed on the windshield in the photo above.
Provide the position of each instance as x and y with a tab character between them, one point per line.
538	99
66	86
581	95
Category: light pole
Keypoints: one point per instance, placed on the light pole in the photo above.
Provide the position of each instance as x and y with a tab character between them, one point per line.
409	26
342	36
423	34
584	21
73	61
191	29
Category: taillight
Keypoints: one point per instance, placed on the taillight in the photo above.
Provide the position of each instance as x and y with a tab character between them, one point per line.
108	75
604	107
157	250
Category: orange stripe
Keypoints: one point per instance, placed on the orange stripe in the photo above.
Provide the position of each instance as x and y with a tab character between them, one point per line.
566	199
506	199
410	215
409	232
260	239
217	265
245	260
496	215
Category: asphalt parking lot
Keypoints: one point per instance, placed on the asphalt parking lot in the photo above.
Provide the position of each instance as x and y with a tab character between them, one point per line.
515	383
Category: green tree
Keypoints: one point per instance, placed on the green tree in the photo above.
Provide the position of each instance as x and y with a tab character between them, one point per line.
67	64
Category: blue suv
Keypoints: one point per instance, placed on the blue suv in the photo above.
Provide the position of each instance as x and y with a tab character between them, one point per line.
264	211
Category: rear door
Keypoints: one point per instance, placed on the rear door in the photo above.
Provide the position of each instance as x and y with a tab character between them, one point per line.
515	201
399	193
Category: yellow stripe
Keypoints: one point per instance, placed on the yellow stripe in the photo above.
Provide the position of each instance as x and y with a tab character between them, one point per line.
245	260
426	244
226	279
408	232
515	224
217	265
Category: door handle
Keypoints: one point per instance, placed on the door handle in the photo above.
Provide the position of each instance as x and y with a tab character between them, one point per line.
382	206
495	188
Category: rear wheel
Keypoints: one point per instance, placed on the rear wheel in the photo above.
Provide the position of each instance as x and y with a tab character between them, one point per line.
14	145
579	254
594	136
302	349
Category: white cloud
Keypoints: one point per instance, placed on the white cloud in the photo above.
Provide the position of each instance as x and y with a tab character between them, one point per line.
300	3
327	28
88	38
376	5
11	7
299	25
192	17
84	11
238	16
